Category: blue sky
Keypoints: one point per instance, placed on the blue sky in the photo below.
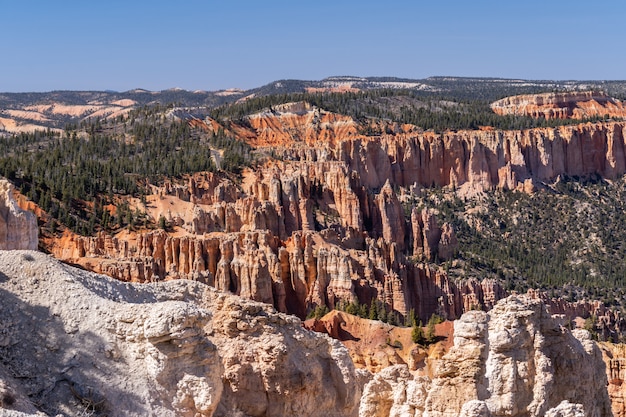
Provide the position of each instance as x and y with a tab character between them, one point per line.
210	45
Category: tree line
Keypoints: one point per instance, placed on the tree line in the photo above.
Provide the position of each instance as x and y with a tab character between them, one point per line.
428	110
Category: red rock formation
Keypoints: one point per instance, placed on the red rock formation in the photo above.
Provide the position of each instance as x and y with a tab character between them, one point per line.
614	356
324	224
429	239
375	345
607	322
305	272
391	216
570	105
448	243
486	159
293	123
476	160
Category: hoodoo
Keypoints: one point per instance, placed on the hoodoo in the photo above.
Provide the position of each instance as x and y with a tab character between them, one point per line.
18	228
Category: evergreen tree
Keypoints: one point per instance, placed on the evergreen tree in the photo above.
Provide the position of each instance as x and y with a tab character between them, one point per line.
373	313
430	330
382	313
417	335
409	320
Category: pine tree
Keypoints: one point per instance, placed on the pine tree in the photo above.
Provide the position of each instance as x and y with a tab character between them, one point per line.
352	308
409	320
430	330
391	318
417	335
363	313
373	313
382	313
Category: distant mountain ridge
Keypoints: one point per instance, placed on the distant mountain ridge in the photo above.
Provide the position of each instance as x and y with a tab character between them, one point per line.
23	112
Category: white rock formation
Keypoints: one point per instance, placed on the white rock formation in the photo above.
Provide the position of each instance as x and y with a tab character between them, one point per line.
566	409
18	228
76	343
394	392
514	361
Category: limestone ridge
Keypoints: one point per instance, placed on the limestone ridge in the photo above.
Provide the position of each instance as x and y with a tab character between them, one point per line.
18	228
516	360
75	343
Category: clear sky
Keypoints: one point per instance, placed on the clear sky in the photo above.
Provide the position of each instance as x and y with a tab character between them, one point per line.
209	45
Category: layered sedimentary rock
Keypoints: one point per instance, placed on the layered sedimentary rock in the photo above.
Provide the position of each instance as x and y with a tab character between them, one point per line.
290	124
306	271
74	343
488	159
606	322
429	239
405	155
18	228
516	360
569	105
374	345
614	356
335	220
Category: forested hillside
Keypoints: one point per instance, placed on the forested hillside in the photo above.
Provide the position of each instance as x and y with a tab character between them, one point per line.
74	174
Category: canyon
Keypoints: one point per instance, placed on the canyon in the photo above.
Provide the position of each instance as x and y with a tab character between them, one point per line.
200	319
334	217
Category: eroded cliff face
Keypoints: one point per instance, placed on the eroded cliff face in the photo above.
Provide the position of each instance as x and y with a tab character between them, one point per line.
18	228
570	105
483	160
516	360
290	124
374	345
614	356
334	219
305	272
607	323
74	343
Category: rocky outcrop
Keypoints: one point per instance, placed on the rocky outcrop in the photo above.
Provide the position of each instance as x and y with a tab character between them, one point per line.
74	343
568	105
482	160
300	122
478	160
201	188
394	392
18	228
516	360
392	218
607	323
289	124
614	356
430	241
181	348
304	272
